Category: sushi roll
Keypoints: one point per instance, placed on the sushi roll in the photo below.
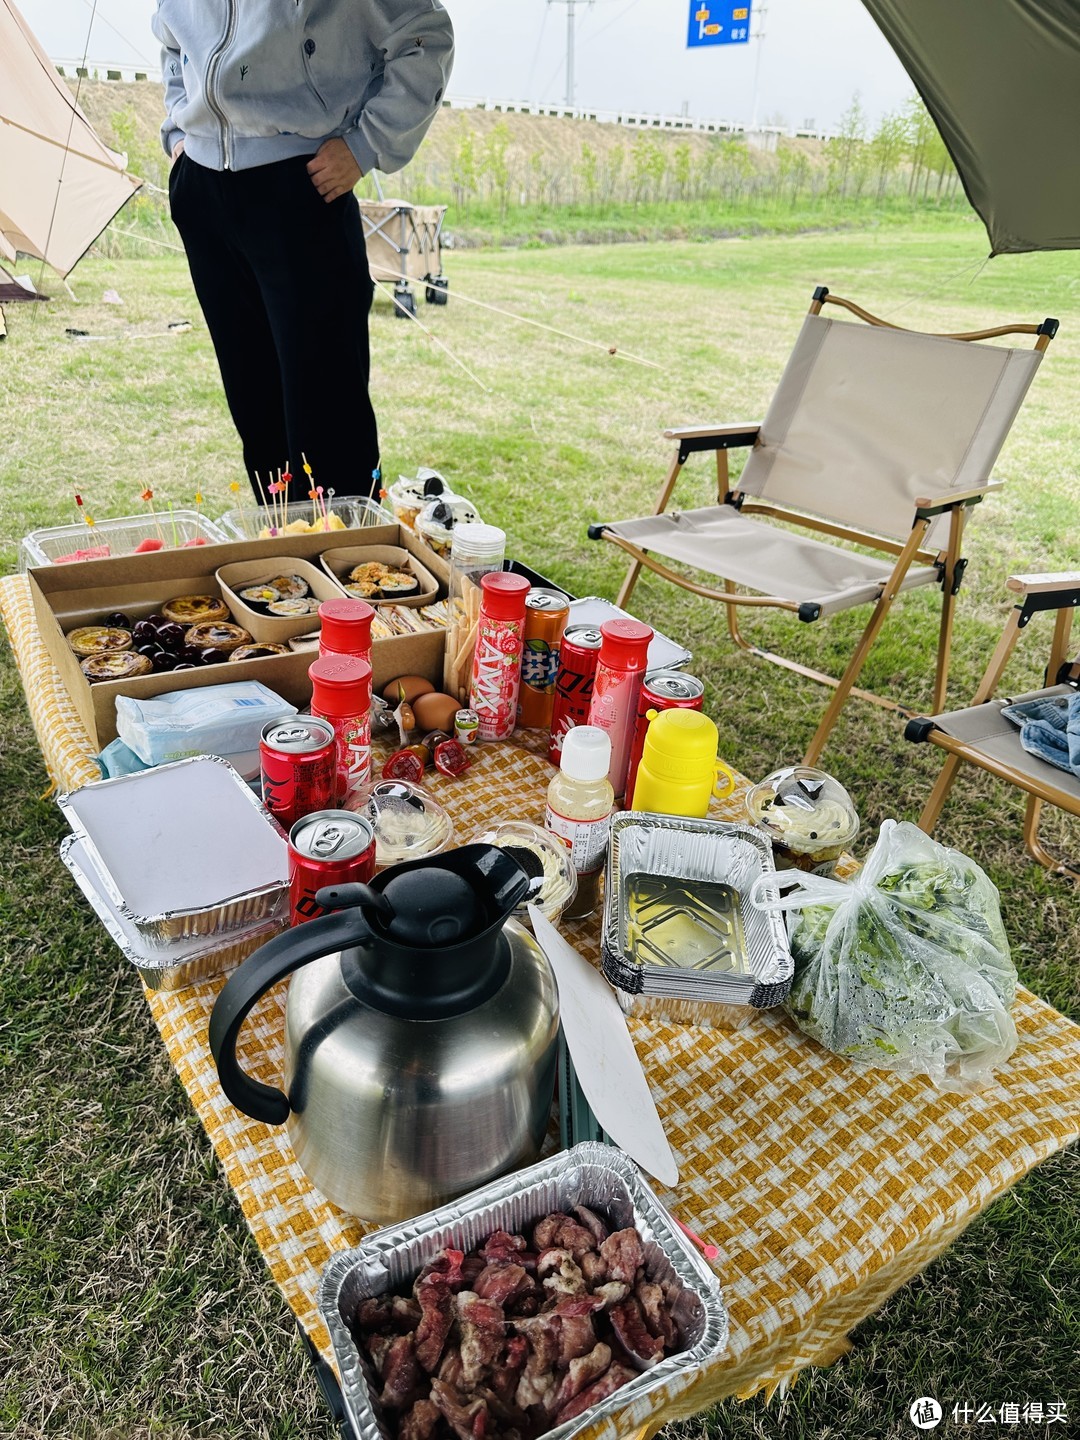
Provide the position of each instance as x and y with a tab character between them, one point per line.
289	587
259	595
370	570
399	585
290	609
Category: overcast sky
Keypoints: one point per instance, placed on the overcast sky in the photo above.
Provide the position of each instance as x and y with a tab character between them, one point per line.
631	54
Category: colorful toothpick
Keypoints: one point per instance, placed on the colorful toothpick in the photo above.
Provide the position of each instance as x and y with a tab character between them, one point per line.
148	497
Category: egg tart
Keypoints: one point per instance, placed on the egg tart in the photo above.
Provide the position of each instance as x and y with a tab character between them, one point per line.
117	665
195	610
217	635
98	640
258	651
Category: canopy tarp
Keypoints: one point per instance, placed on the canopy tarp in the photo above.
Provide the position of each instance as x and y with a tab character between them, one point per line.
1001	79
59	185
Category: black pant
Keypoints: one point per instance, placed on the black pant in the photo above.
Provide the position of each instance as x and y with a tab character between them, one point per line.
283	281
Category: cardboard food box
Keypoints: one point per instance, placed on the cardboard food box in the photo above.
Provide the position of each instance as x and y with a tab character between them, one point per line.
275	629
81	593
339	562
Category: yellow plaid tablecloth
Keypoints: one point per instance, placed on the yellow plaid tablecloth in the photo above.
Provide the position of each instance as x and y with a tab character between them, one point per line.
825	1187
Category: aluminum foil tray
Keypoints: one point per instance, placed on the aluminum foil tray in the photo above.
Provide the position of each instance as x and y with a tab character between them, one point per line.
695	941
181	850
591	1174
184	962
664	654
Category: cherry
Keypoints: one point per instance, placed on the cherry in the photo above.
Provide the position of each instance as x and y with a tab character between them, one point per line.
171	635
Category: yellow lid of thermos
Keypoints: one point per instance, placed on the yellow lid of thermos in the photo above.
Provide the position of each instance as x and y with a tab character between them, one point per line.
679	771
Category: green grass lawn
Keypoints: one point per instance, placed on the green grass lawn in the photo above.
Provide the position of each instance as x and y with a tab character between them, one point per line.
133	1301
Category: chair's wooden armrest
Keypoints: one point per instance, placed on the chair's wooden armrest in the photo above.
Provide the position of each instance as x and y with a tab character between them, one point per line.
1063	580
935	504
741	434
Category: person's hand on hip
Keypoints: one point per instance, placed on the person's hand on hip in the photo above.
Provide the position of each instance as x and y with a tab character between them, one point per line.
333	170
177	150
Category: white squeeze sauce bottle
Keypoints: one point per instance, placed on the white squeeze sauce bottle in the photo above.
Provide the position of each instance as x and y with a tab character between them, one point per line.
579	805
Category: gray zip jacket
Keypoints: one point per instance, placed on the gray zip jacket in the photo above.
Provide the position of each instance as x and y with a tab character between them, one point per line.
248	82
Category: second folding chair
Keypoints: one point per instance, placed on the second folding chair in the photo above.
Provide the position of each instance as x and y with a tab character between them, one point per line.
876	437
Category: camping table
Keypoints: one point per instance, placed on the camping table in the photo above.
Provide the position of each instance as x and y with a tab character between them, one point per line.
825	1187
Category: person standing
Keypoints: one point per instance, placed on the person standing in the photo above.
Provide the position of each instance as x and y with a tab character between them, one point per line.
274	110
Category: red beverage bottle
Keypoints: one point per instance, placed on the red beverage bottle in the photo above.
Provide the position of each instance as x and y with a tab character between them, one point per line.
496	674
345	628
341	694
663	690
299	767
574	678
330	847
620	670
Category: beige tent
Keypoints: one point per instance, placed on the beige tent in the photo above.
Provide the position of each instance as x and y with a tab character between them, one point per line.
59	185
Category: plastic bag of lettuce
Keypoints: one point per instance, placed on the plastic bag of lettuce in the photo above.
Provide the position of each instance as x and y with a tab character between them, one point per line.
906	967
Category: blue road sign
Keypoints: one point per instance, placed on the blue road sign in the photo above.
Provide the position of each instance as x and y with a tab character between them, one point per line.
718	22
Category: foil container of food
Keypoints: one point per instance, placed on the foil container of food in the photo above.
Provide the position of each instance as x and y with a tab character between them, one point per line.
598	1176
184	962
182	850
680	939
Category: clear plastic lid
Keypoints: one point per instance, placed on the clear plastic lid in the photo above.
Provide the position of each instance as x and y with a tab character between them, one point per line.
559	883
483	544
409	822
804	810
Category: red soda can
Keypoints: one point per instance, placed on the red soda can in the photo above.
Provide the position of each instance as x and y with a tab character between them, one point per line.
662	690
330	847
341	695
546	612
299	767
578	655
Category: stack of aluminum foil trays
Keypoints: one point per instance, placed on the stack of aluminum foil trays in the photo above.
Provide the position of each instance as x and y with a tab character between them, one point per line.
183	866
598	1176
681	940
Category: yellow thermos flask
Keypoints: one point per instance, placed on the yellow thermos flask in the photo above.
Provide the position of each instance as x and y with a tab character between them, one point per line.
679	772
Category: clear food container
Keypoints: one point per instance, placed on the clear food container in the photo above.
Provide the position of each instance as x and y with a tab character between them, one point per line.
559	879
408	822
809	817
258	522
63	544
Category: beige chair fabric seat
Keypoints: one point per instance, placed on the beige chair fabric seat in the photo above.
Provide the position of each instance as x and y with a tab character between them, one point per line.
759	555
987	731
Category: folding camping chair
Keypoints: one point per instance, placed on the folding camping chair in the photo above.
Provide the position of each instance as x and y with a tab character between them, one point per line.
876	436
984	736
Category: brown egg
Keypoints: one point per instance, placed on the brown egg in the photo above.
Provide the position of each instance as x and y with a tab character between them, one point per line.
436	712
412	685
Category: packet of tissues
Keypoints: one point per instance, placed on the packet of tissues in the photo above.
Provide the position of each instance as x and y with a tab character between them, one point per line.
214	720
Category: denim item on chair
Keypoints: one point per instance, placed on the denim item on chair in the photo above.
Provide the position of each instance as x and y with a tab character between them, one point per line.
1054	736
